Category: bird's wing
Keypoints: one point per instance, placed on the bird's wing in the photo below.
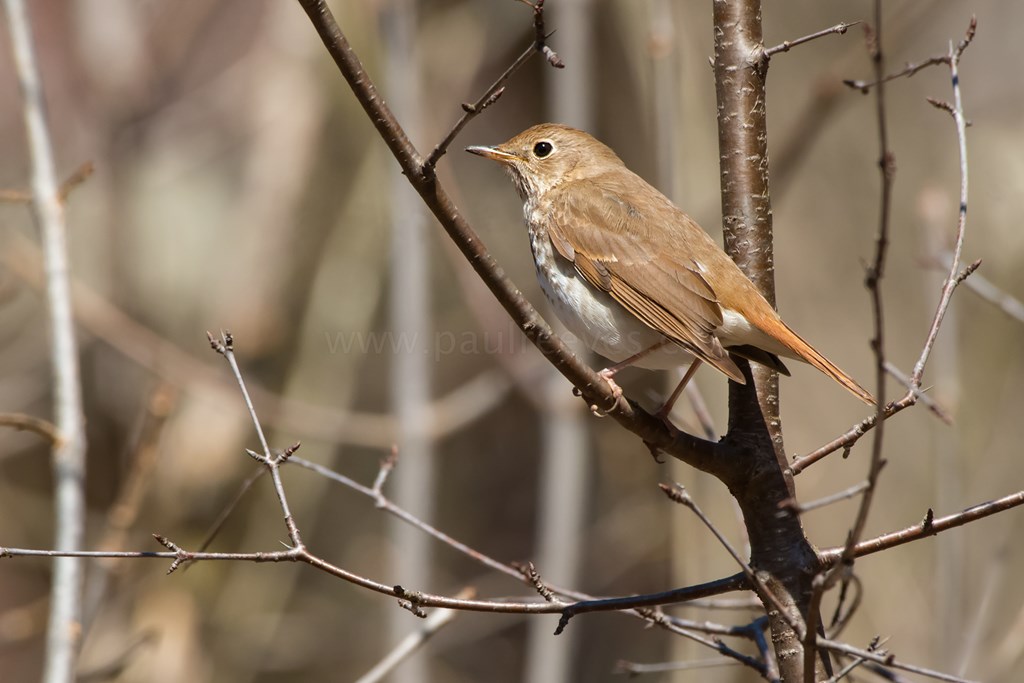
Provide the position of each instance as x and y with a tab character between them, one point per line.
612	245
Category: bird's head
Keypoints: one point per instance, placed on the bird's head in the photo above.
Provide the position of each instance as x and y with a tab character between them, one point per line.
546	155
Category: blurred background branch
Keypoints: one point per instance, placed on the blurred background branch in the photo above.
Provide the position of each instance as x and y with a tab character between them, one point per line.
69	448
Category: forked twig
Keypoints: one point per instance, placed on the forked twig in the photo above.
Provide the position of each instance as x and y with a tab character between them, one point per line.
497	88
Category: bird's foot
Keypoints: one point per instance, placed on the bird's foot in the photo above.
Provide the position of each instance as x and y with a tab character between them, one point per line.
616	390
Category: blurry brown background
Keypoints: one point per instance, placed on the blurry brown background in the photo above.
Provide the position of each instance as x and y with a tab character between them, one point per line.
239	186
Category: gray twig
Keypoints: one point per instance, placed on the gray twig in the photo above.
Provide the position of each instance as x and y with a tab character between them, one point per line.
69	449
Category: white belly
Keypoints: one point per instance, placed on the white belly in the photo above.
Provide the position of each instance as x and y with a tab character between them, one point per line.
592	316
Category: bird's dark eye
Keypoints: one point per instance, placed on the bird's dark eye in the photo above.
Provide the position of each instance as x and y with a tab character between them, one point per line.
542	148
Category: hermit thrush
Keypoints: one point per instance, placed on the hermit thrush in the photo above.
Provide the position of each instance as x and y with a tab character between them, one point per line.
630	274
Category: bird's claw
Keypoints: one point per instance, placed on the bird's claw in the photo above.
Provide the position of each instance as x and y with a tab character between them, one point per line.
607	374
616	390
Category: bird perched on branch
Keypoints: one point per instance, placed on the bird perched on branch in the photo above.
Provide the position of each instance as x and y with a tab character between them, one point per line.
631	275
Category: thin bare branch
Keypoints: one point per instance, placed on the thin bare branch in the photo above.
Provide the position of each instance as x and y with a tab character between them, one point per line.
843	613
888	660
799	508
586	604
633	669
887	168
679	494
446	414
813	628
658	618
29	423
928	527
497	88
414	641
386	466
911	69
919	394
846	670
987	290
225	346
15	196
228	509
787	45
700	410
822	582
954	278
80	175
124	512
846	440
69	450
735	582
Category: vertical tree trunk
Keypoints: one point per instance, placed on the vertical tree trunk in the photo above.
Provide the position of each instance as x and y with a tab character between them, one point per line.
780	552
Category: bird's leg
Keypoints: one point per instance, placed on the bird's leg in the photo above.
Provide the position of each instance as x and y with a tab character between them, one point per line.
664	411
610	371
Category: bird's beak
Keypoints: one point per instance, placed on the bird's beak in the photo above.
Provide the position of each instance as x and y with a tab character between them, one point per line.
495	153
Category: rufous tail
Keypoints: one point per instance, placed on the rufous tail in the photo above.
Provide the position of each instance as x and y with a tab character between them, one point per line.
808	353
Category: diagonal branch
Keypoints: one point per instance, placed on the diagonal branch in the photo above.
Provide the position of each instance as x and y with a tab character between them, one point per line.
927	527
21	421
497	88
